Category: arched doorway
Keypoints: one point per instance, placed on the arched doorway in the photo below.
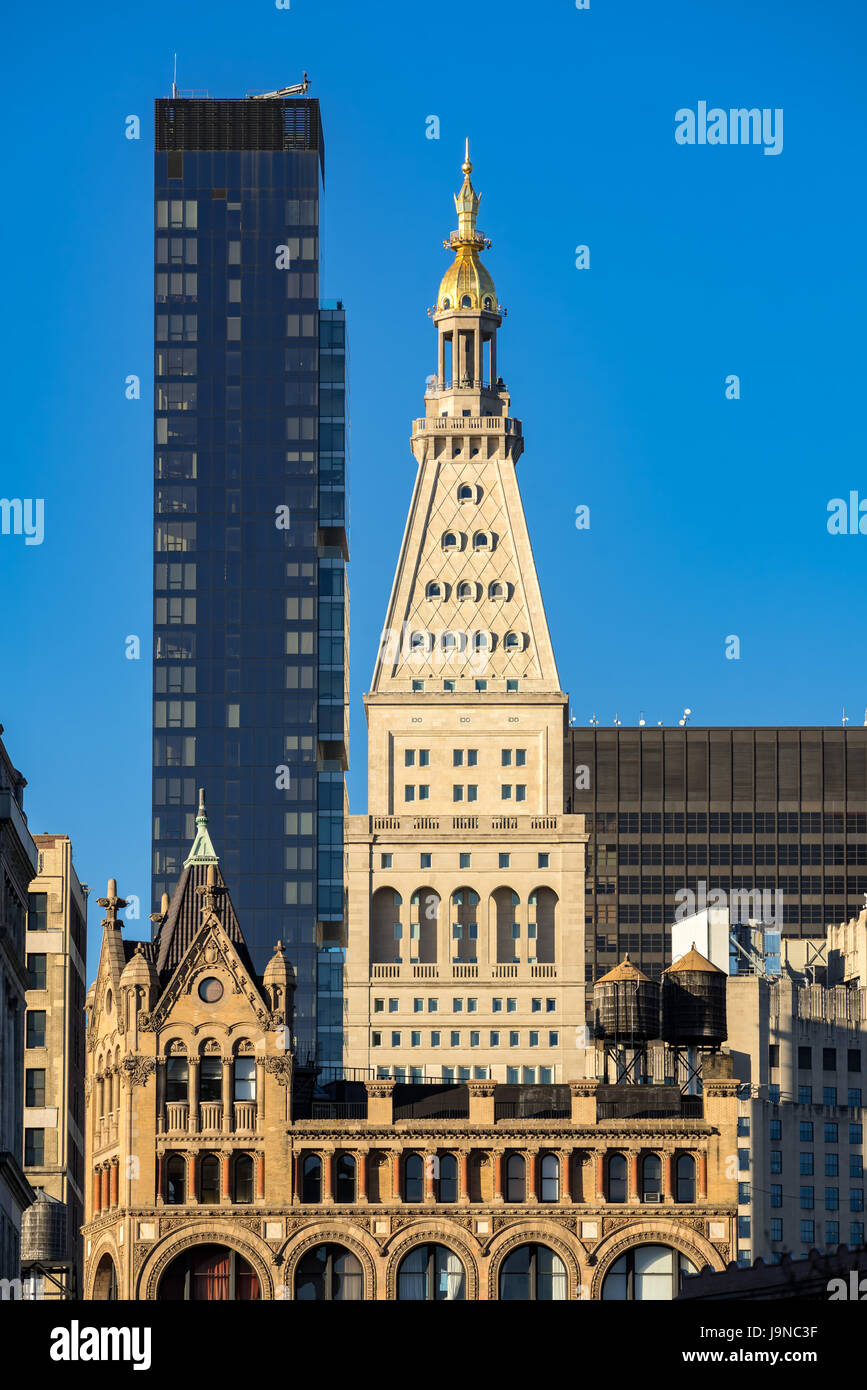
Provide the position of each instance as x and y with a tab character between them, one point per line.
209	1273
105	1280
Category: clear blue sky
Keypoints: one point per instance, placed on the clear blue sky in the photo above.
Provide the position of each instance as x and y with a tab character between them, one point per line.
708	516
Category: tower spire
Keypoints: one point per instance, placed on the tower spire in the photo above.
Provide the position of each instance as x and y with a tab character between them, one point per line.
202	851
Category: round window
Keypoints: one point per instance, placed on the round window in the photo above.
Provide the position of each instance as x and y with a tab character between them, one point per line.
210	990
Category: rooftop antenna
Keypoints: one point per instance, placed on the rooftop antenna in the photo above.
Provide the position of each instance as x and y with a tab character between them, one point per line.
175	78
685	720
641	719
845	717
594	721
617	720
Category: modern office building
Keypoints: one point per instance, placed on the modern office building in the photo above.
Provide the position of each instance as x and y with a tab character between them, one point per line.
778	811
465	882
250	522
18	862
54	1069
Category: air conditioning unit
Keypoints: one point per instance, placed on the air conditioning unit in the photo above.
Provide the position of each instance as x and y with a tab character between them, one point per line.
653	1196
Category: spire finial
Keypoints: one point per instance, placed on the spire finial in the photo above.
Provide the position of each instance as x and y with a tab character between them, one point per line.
202	814
203	851
112	904
467	167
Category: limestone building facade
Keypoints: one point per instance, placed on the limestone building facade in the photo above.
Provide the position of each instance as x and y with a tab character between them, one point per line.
218	1170
56	945
465	882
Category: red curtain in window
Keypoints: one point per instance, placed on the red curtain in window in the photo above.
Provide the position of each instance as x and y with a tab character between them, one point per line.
210	1275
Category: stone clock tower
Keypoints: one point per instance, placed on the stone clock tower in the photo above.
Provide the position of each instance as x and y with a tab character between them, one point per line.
466	880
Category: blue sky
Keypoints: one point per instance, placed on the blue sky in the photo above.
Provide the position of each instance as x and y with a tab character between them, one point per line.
708	516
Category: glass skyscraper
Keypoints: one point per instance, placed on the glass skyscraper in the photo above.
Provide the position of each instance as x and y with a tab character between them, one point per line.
250	534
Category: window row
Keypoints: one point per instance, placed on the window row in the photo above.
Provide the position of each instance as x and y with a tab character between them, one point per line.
455	1039
432	1004
468	589
504	859
457	640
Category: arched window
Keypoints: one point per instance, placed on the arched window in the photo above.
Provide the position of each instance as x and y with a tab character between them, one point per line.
176	1180
651	1178
329	1273
209	1273
466	302
482	541
541	926
685	1178
209	1179
345	1179
466	590
506	903
423	925
449	642
481	641
243	1178
617	1178
450	541
431	1274
447	1179
418	641
311	1179
496	589
387	927
447	303
465	926
105	1281
466	493
177	1079
513	642
433	590
516	1178
646	1273
533	1273
550	1173
489	303
413	1178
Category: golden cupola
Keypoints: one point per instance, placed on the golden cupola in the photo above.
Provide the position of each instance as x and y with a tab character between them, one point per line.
467	284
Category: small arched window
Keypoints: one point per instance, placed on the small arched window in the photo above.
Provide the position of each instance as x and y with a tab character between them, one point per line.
481	641
449	641
434	589
466	302
617	1178
209	1179
447	303
489	303
516	1182
413	1178
512	641
345	1178
686	1178
481	541
447	1179
466	493
466	590
177	1079
651	1178
176	1180
418	641
496	590
244	1178
450	541
550	1174
311	1179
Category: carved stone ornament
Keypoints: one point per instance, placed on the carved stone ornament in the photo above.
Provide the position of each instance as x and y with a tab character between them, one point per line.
281	1067
135	1070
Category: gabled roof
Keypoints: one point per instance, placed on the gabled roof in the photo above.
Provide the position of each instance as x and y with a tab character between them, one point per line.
184	919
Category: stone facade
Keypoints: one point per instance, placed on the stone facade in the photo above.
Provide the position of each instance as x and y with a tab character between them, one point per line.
215	1171
54	1072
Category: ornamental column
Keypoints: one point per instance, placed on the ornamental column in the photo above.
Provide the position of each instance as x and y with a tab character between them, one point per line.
464	1192
600	1176
260	1177
113	1182
668	1162
296	1177
194	1094
97	1192
395	1176
328	1174
361	1170
225	1175
104	1194
160	1176
497	1160
260	1094
430	1162
634	1194
565	1159
227	1095
161	1095
192	1174
702	1175
532	1160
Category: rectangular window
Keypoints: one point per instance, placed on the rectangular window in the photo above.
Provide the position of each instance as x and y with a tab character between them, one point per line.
385	861
855	1133
832	1199
457	1006
472	757
409	757
853	1059
808	1232
35	1030
433	1006
425	861
511	1006
543	861
34	1086
472	792
856	1232
805	1058
856	1199
831	1132
378	1006
553	1039
424	791
494	1038
505	792
776	1228
457	793
497	1006
455	1038
776	1157
435	1039
776	1194
534	1038
472	1006
393	1006
805	1095
457	757
829	1059
424	757
743	1126
829	1095
409	793
807	1196
856	1166
395	1039
504	864
776	1131
743	1160
805	1131
37	965
514	1040
506	757
832	1165
34	1148
474	1038
853	1098
521	792
806	1167
415	1039
37	914
832	1233
418	1006
520	757
465	861
244	1078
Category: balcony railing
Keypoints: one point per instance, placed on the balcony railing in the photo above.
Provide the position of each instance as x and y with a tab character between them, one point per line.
494	825
245	1115
463	970
339	1110
210	1116
177	1116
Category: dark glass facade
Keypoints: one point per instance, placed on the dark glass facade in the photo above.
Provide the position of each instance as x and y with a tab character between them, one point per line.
776	810
249	522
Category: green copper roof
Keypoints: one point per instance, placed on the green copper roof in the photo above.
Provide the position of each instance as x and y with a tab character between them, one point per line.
203	851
